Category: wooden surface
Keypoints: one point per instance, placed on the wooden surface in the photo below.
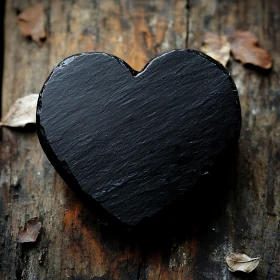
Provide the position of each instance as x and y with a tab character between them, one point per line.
75	242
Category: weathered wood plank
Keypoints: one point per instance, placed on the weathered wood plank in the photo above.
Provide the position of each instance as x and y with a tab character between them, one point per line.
72	244
250	222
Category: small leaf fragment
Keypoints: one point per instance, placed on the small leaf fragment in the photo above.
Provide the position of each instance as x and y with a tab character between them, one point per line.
241	262
22	112
31	23
30	231
244	47
216	46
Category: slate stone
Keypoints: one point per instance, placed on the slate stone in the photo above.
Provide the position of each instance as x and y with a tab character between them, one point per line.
136	142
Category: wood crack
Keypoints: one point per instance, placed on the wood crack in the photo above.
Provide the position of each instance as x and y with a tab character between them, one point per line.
188	11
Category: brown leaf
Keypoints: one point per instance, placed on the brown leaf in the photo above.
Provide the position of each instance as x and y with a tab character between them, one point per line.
30	231
244	47
32	23
22	112
241	262
216	46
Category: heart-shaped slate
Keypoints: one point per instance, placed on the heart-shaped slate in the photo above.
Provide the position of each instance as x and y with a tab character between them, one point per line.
133	141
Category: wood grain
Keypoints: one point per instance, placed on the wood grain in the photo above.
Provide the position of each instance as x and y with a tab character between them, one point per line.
72	244
75	243
251	212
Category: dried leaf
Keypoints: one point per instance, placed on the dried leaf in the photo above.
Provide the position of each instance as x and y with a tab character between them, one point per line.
32	23
30	231
241	262
244	47
22	112
216	46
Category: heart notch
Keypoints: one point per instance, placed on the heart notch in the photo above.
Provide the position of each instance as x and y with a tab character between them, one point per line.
137	141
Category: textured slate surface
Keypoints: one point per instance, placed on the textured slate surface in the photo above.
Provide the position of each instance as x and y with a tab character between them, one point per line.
137	141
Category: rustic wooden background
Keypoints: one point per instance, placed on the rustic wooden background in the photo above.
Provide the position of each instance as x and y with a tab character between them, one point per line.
74	244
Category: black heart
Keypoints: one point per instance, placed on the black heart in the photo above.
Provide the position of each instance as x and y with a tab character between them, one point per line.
133	141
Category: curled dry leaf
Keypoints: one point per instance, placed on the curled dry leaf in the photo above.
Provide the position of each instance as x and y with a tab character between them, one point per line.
241	262
22	112
30	231
216	46
244	47
32	23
